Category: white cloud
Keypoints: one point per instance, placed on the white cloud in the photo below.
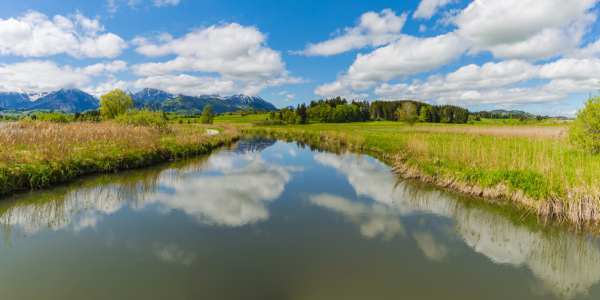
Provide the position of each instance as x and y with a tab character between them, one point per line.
239	54
407	56
428	8
35	35
530	29
497	83
343	86
102	68
161	3
188	84
231	50
373	29
36	76
112	6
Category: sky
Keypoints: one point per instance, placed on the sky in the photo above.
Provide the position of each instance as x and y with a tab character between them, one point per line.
541	56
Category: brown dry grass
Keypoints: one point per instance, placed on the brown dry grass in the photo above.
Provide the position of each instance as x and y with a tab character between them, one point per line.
553	133
37	154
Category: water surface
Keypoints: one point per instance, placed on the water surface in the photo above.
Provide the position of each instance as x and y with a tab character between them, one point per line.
274	220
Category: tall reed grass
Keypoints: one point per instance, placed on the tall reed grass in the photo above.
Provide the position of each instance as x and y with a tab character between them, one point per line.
37	154
531	165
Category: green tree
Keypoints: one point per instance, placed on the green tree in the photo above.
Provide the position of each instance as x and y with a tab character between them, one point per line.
207	115
115	103
423	114
272	115
407	113
585	131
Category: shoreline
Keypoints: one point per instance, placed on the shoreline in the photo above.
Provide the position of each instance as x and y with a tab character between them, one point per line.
582	215
46	173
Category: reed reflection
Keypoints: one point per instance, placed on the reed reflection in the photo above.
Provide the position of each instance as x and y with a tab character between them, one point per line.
567	264
229	188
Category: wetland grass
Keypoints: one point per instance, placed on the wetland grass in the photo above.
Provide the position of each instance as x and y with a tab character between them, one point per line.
531	166
38	154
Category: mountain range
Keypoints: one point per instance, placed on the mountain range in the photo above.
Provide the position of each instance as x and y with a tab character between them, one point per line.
73	100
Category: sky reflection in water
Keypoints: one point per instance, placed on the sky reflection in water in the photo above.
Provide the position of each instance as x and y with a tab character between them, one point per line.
276	220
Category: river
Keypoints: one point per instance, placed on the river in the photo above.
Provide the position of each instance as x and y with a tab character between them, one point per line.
268	219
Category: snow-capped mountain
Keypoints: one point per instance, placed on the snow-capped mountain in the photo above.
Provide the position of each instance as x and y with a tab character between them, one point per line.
151	95
71	100
240	99
13	100
35	96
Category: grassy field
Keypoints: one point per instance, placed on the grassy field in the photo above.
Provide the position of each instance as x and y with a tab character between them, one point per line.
231	119
38	154
531	165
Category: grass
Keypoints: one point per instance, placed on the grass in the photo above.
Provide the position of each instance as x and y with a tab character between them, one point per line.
530	164
237	119
230	119
39	154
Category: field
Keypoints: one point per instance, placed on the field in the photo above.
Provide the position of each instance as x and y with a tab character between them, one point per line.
38	154
231	119
531	165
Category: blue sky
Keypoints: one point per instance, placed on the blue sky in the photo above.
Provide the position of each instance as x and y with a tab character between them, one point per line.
536	55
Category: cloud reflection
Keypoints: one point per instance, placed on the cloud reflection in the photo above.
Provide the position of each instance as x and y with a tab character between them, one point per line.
373	220
567	264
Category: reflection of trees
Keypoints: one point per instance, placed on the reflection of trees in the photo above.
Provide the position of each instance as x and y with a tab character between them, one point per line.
567	263
226	189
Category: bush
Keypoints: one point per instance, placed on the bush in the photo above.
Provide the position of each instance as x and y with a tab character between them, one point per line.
52	117
585	131
143	118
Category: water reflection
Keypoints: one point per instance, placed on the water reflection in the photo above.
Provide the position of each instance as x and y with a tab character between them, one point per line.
229	188
567	264
235	188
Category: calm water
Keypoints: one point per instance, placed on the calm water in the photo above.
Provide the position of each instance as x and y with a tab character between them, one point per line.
271	220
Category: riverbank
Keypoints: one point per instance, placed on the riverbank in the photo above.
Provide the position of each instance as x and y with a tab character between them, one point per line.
529	166
40	154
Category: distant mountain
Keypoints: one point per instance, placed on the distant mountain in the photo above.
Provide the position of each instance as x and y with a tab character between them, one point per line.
34	96
69	101
13	100
152	95
72	100
192	105
253	102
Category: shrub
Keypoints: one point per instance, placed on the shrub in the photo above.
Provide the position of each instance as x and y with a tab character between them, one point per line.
143	118
585	131
52	117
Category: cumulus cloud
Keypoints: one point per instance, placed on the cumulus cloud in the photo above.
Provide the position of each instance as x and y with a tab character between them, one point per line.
373	29
532	29
238	54
102	68
407	56
188	84
35	35
228	49
428	8
497	83
37	76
